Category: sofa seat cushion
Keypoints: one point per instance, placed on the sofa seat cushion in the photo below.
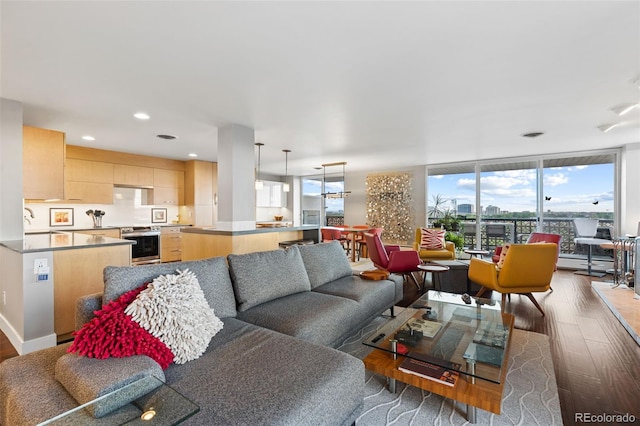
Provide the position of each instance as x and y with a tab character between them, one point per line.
87	379
212	274
372	296
311	316
325	262
263	276
253	376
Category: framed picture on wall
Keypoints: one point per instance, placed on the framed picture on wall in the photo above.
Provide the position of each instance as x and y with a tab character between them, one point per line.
158	215
60	217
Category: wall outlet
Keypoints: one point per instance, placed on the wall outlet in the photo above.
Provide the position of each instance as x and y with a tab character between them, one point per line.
40	266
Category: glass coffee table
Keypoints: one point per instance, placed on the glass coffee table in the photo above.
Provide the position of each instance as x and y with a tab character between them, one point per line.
163	405
471	339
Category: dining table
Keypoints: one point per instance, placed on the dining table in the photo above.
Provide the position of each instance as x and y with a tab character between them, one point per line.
353	237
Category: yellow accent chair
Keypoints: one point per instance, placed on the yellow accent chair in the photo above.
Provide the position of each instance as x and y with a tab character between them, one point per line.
527	268
447	253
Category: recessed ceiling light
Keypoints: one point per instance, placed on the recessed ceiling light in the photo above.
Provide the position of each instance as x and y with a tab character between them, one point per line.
193	154
141	116
532	134
167	137
88	138
624	108
606	127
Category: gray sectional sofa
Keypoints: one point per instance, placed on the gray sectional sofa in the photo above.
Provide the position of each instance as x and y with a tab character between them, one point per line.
274	362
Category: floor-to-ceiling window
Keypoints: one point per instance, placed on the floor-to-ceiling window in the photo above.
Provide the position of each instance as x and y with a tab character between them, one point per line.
511	198
323	205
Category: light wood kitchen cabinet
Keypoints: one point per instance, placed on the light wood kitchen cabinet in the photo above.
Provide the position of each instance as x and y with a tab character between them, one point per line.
168	187
170	244
43	158
89	182
124	174
103	232
78	272
201	186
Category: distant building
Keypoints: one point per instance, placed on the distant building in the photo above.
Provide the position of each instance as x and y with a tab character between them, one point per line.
466	209
492	210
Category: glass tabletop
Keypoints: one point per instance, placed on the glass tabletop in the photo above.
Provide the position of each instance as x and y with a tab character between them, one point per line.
448	331
163	406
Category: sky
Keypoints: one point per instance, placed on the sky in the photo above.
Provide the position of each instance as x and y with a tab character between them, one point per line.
574	188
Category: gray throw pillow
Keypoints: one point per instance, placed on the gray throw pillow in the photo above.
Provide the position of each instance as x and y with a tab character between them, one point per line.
325	262
263	276
212	274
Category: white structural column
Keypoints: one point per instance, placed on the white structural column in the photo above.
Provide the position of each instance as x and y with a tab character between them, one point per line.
236	188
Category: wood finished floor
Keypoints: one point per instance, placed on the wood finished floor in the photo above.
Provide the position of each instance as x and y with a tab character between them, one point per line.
596	362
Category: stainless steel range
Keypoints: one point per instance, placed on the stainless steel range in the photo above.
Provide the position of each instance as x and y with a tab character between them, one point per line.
146	250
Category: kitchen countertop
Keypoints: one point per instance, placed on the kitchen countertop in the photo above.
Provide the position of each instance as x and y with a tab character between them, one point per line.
60	241
214	231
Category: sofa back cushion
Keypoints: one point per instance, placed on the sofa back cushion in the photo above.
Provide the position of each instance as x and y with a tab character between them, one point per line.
325	262
263	276
212	274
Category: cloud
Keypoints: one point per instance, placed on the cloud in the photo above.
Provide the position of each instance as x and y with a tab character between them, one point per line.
555	179
436	177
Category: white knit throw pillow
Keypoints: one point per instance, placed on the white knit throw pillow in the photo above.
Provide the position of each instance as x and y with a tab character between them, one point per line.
173	309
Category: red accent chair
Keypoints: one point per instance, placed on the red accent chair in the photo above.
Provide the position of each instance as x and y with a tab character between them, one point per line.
536	237
391	259
362	243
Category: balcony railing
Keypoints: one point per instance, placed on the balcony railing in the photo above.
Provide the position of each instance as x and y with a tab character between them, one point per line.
518	230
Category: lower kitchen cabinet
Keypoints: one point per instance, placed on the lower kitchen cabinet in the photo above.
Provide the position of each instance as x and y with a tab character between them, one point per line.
170	243
79	272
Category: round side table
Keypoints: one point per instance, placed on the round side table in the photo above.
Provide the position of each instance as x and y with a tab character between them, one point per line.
436	270
477	253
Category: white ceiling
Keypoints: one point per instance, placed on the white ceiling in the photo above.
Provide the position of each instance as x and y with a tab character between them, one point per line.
381	85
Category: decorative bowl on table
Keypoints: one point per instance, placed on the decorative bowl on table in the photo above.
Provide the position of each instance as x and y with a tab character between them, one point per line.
278	218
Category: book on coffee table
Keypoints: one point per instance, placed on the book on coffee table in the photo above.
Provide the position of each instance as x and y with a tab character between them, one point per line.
422	365
426	327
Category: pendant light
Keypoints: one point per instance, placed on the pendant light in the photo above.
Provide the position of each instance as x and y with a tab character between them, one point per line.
285	187
259	184
341	194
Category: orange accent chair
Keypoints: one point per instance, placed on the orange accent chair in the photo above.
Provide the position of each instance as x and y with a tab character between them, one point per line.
447	253
527	268
534	238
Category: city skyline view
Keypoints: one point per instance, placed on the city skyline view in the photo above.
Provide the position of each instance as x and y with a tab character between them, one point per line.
583	188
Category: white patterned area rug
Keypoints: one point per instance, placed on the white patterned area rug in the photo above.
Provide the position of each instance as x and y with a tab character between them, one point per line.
530	392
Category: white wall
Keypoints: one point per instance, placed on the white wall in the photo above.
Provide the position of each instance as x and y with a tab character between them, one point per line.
630	189
116	215
355	204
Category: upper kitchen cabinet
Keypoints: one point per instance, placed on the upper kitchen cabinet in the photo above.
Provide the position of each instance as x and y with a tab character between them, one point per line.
43	156
88	181
168	187
124	174
271	195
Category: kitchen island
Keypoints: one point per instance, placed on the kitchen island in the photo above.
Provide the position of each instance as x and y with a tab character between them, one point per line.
43	276
202	243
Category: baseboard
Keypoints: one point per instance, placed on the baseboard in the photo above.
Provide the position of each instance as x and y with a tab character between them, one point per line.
24	347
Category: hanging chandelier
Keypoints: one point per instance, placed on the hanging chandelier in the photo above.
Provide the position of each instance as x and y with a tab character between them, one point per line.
340	194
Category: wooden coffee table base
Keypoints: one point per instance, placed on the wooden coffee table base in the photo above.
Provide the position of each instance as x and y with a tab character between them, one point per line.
483	394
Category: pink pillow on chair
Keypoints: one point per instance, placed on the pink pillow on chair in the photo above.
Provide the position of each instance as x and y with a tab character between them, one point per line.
432	238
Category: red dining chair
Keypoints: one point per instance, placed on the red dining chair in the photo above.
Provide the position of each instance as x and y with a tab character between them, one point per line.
331	234
363	251
391	259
